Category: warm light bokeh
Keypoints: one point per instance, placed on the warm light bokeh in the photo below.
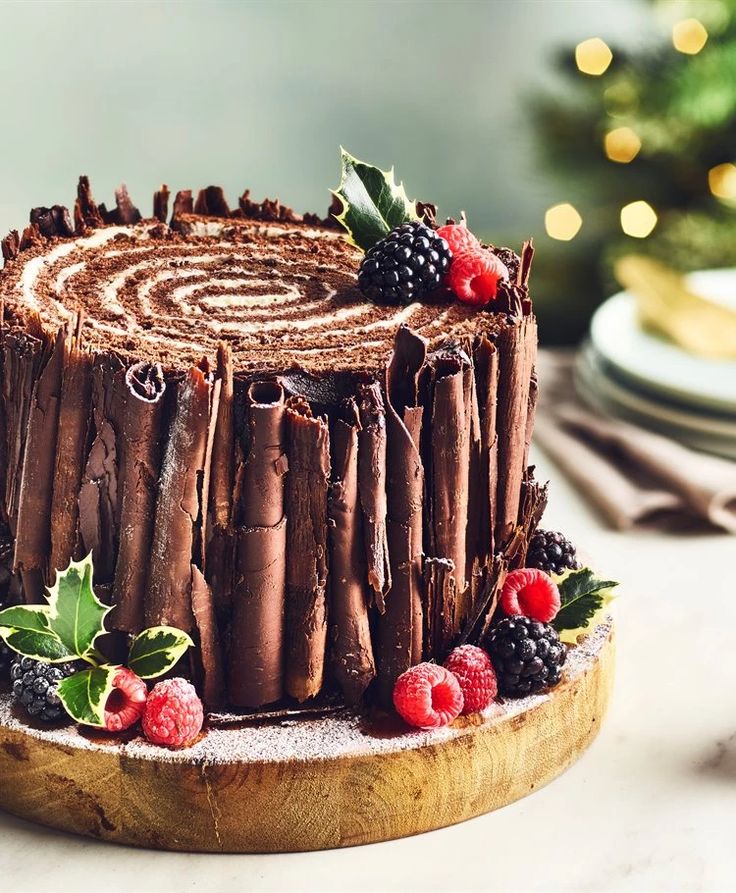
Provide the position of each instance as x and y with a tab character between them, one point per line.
638	219
562	222
593	56
622	145
689	36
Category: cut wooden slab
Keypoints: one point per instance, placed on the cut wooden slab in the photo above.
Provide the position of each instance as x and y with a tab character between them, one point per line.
318	783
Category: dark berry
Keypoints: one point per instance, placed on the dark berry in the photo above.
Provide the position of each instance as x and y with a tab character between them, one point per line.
35	685
409	263
527	656
551	552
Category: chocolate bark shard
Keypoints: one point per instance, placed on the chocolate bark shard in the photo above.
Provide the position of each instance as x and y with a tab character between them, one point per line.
352	649
125	212
222	482
441	605
183	204
400	630
533	503
33	536
161	203
530	414
99	511
267	210
307	486
178	509
143	436
256	665
516	343
75	417
372	488
86	213
211	202
53	222
10	245
212	683
452	427
479	622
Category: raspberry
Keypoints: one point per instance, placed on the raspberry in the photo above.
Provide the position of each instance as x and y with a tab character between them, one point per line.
173	714
474	275
126	702
428	696
530	592
459	238
473	669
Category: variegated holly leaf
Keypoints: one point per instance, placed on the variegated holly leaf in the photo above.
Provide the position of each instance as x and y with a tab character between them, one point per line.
25	629
583	601
156	650
85	694
372	202
75	613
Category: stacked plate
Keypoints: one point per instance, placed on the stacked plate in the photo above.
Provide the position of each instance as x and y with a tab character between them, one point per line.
632	373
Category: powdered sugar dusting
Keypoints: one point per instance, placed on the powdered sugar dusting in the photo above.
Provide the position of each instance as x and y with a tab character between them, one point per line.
337	735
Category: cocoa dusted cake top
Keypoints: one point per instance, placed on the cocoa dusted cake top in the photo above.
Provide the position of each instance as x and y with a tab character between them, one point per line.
282	291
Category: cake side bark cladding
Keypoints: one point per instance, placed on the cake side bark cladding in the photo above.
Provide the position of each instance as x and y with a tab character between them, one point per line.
307	485
400	629
352	648
143	437
178	508
256	664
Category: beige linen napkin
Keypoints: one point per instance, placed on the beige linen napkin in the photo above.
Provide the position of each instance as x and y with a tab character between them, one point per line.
633	476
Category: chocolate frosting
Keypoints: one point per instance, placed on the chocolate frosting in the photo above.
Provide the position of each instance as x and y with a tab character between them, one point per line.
352	650
143	437
256	666
178	509
306	533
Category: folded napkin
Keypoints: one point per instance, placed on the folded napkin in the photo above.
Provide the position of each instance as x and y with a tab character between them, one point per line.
633	476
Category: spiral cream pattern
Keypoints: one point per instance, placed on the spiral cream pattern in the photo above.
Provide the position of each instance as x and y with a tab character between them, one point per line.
281	295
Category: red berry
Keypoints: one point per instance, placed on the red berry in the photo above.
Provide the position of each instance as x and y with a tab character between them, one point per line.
459	238
531	592
428	696
474	275
473	669
126	701
173	714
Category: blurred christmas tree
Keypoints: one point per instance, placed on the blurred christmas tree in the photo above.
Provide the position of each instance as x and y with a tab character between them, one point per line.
645	147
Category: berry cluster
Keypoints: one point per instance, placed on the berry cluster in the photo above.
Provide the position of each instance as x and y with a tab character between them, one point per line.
414	260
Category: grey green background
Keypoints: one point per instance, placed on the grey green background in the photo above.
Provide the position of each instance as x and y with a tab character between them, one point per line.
261	94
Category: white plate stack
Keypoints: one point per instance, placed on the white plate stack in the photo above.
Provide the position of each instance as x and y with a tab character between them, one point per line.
629	372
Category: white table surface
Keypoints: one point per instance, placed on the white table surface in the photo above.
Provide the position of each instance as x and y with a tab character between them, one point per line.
651	806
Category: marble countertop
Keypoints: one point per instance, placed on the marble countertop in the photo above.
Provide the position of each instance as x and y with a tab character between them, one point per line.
651	806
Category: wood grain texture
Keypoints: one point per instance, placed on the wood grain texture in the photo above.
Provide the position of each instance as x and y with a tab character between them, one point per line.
297	805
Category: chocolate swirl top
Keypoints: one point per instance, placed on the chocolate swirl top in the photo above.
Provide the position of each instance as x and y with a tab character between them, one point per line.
281	293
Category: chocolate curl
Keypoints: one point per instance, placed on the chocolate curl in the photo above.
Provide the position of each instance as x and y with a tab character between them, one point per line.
183	203
531	413
222	483
53	222
143	436
86	213
450	448
256	671
75	416
372	488
399	640
211	202
352	650
99	505
203	607
178	509
307	487
441	589
517	345
33	536
484	466
161	203
23	358
10	245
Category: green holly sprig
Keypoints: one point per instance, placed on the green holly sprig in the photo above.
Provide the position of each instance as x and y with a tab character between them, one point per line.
67	628
584	599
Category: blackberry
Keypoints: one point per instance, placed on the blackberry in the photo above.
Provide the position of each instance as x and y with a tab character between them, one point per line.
406	265
34	687
551	552
527	656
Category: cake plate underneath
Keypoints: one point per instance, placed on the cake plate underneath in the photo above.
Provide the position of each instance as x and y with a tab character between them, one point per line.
319	783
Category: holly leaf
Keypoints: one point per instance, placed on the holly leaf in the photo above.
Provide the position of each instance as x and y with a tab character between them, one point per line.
583	599
25	629
85	694
372	202
156	650
75	613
